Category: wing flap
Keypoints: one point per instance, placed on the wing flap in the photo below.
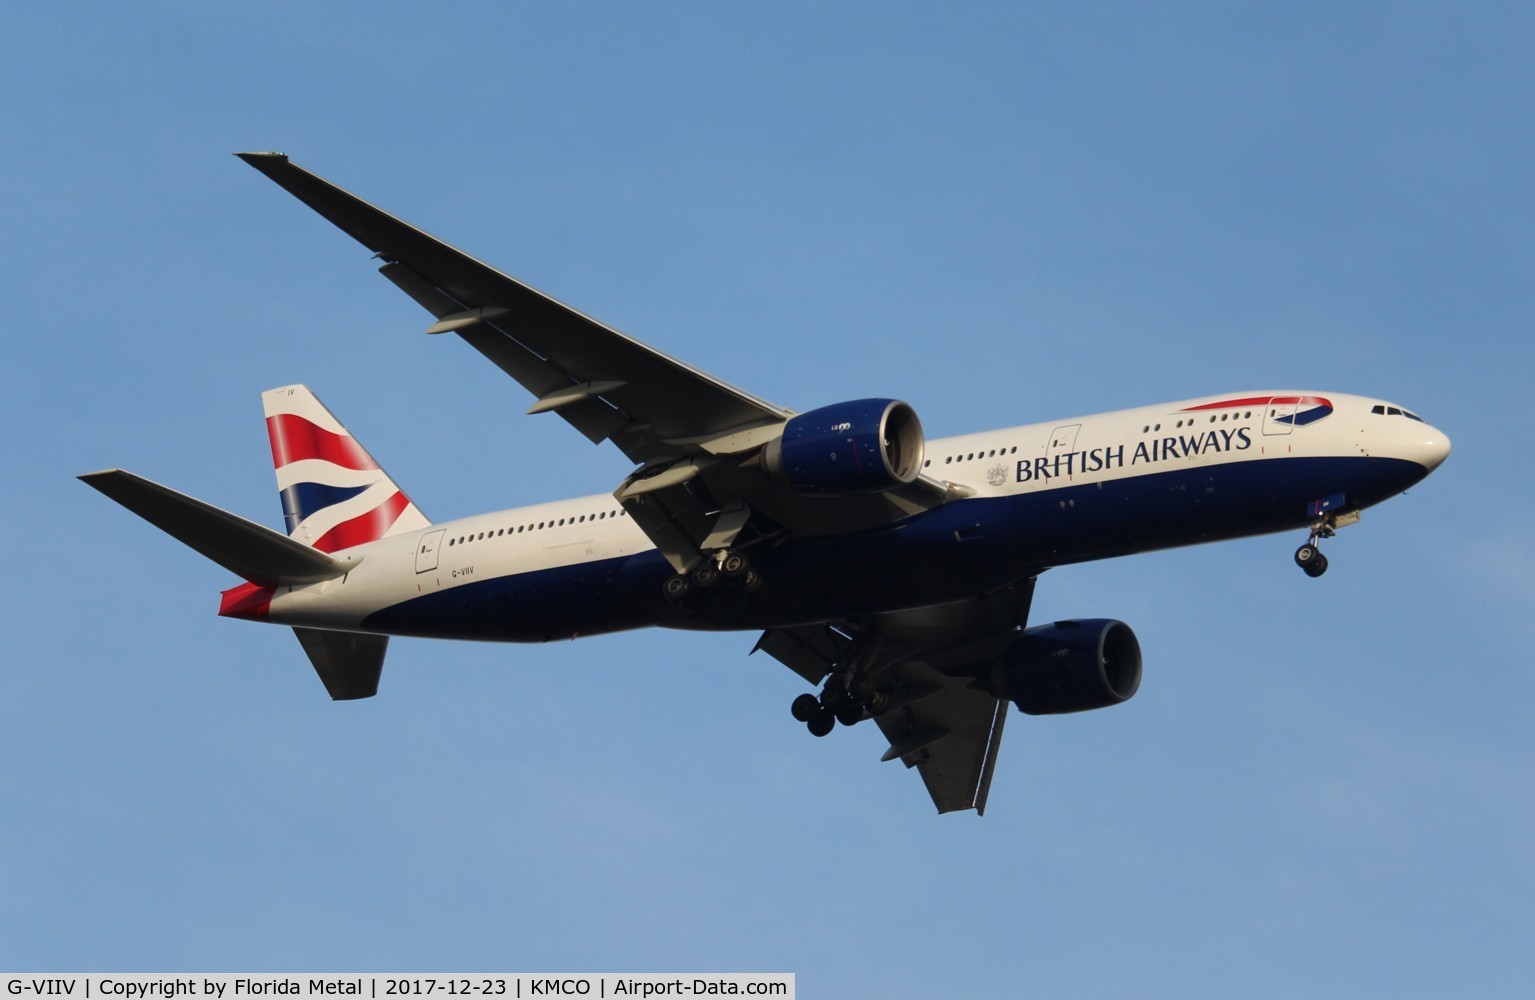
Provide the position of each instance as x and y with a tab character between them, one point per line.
812	651
950	736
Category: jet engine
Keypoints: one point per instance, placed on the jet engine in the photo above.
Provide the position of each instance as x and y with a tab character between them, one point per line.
861	446
1070	666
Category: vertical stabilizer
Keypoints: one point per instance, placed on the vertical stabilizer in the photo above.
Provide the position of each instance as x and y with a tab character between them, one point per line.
334	495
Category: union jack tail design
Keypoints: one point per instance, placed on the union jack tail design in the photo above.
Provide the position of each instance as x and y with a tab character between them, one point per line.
334	495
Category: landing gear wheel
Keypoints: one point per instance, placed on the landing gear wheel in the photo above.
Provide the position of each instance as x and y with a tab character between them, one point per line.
676	587
805	707
1317	567
734	565
705	575
751	581
1309	558
850	715
822	724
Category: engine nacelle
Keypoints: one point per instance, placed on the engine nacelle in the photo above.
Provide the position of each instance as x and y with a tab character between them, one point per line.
1071	666
861	446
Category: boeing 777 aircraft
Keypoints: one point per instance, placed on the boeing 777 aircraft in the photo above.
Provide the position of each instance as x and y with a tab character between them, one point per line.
891	572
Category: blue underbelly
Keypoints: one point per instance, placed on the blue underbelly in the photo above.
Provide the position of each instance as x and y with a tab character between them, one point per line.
958	550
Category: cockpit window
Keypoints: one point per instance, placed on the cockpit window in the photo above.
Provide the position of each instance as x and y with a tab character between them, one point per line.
1381	409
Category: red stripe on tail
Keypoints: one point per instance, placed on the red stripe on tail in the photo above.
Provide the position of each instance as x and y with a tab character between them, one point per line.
295	439
369	527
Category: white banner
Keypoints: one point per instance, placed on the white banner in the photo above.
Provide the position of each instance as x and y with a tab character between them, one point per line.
398	986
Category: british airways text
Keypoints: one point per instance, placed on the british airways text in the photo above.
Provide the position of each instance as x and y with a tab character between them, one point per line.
1113	457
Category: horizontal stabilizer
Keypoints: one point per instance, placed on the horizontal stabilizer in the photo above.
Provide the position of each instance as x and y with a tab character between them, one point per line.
349	663
245	548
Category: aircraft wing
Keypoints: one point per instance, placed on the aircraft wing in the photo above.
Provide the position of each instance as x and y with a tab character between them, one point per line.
927	665
695	437
606	384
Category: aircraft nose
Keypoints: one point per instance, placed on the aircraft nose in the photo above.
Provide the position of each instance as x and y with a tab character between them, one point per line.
1430	448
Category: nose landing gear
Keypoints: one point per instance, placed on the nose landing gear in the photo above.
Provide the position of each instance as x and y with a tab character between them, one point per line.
1309	556
1327	517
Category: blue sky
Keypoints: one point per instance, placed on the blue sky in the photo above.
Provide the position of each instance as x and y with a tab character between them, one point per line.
1002	216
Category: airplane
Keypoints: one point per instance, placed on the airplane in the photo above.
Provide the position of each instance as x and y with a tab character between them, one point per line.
894	574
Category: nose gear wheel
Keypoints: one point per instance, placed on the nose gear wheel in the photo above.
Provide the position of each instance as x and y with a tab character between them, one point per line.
1310	559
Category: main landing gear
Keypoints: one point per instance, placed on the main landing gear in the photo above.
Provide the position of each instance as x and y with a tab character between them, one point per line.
837	702
724	571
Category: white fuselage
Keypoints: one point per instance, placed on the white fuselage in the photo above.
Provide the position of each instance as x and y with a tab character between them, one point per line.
1143	478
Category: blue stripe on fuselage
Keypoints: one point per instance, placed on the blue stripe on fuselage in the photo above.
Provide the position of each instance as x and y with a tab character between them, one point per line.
954	551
